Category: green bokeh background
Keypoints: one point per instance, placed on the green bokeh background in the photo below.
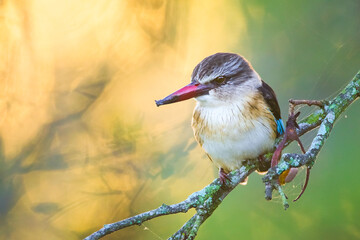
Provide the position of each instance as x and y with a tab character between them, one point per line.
110	153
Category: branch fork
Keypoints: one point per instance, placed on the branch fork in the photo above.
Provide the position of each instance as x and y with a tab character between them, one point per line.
290	135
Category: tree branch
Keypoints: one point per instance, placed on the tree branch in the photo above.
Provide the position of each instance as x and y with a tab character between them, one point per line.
332	111
204	201
208	199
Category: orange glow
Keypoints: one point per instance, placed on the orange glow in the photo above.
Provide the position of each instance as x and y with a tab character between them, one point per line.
83	141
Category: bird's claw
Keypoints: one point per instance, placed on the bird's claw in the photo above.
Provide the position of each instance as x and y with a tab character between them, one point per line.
223	176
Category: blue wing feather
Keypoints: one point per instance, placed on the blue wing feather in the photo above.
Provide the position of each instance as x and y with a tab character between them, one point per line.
280	126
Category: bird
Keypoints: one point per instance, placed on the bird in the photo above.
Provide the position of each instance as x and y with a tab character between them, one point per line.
237	116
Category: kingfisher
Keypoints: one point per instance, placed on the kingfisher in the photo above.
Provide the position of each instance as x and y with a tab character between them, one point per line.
237	116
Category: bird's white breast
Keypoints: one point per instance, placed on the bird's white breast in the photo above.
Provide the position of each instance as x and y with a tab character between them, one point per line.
233	132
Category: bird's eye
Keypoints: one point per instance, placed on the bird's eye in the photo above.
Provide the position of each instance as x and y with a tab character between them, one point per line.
219	80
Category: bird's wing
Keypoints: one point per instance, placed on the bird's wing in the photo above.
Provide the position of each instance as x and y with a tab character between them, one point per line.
270	98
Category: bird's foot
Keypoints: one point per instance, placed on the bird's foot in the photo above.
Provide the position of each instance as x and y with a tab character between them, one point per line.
223	176
263	164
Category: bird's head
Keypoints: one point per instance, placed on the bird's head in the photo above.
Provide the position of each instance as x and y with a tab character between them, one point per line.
217	79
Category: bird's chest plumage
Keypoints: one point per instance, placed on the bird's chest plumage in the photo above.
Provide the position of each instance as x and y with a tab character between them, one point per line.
234	132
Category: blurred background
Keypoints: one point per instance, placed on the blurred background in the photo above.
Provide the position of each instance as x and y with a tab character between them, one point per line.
82	143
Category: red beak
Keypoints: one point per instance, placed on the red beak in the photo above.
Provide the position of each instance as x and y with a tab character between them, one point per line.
187	92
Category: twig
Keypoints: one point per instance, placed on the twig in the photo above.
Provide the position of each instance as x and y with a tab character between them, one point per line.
282	195
308	102
305	184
